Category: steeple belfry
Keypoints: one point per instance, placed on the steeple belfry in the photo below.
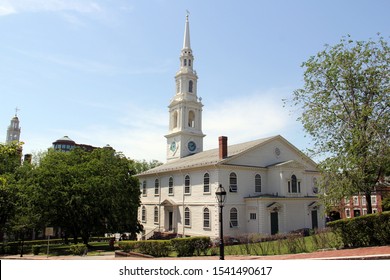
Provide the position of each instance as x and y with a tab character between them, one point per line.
185	135
13	131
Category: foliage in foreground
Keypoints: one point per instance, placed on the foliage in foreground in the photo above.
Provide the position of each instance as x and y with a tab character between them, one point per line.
363	231
345	105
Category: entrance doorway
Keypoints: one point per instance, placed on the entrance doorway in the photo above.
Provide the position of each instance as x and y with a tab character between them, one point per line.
314	219
274	223
170	220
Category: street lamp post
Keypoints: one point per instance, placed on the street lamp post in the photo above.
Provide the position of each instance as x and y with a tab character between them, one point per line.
221	195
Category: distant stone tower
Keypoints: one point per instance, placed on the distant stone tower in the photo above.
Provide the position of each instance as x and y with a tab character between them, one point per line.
13	131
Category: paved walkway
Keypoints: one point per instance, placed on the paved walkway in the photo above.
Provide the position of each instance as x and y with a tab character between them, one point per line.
373	253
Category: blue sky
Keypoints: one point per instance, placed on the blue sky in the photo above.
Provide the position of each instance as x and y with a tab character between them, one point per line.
102	71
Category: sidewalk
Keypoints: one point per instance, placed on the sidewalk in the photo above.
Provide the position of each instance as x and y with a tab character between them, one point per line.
368	253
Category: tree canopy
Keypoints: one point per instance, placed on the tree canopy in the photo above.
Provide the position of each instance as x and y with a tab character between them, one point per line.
82	193
88	192
345	108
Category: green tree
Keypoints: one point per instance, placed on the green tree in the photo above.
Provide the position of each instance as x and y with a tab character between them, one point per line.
143	165
88	193
345	104
10	161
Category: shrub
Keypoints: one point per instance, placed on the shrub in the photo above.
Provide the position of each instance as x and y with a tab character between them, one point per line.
36	249
128	246
367	230
78	249
156	248
188	246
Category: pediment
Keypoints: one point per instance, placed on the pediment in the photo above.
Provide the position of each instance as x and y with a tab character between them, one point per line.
290	164
168	202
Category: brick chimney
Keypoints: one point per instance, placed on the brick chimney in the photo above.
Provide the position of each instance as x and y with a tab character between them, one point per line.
223	149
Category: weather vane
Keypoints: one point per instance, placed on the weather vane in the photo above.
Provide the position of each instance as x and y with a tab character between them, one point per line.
16	111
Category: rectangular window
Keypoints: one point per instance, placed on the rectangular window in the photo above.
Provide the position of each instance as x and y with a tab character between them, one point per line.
252	216
143	215
187	217
347	213
170	186
373	199
187	185
206	183
156	215
144	193
206	218
355	200
364	202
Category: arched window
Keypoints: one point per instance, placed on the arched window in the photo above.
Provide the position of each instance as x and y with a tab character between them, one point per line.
206	218
190	86
156	215
187	185
156	187
191	119
174	119
189	62
294	186
257	183
185	62
315	186
187	217
170	185
233	217
206	183
233	182
144	193
143	214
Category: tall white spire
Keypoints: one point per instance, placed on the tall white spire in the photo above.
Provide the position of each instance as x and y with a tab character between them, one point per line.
186	42
185	136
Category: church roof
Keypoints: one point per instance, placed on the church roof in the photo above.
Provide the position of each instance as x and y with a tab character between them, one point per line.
207	158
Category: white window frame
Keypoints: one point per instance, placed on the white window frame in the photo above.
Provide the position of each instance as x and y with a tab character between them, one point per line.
233	217
206	221
187	217
233	185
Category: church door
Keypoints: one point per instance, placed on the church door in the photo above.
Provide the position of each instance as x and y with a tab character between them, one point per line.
314	219
274	223
170	220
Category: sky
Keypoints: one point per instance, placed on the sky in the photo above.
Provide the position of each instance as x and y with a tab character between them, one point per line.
102	71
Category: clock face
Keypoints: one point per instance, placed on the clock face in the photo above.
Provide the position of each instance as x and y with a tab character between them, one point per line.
173	146
191	146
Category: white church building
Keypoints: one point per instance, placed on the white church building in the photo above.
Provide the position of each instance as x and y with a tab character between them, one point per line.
270	184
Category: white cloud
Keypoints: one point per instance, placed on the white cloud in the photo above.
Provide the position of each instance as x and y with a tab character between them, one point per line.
6	9
246	117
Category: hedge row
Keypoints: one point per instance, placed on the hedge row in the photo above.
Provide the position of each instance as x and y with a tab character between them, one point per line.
363	231
162	248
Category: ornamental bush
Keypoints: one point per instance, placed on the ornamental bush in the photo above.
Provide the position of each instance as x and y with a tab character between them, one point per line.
363	231
156	248
128	246
188	246
78	249
36	249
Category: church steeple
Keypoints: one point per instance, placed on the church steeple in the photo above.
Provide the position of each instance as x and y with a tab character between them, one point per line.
13	131
185	135
186	42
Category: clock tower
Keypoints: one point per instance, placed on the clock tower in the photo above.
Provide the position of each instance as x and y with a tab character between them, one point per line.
185	136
